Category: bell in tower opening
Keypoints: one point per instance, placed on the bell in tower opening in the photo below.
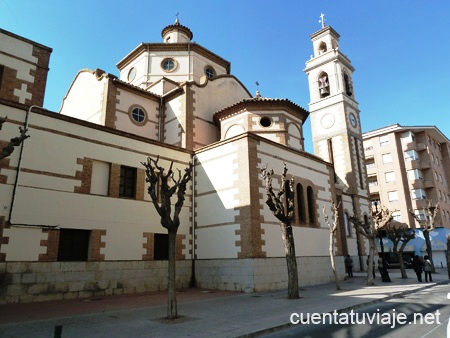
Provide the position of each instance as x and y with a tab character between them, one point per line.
324	86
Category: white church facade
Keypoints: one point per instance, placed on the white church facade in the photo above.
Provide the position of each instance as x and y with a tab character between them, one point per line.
76	220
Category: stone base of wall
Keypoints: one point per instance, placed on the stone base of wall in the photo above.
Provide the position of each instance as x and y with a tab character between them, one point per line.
264	274
22	282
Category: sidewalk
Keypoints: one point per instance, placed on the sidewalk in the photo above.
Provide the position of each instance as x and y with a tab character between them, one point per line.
202	313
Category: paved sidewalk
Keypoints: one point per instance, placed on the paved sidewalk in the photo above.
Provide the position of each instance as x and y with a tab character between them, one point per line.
202	313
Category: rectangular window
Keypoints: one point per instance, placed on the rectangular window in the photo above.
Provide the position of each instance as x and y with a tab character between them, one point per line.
387	158
161	247
384	140
390	176
411	155
73	245
392	196
127	182
414	174
418	194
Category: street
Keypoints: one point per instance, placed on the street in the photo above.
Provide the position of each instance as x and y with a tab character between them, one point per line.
421	314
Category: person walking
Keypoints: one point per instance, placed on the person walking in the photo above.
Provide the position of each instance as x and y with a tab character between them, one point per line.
418	267
349	265
427	267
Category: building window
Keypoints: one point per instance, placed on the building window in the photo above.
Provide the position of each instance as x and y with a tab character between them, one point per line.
265	121
311	205
324	85
73	245
411	155
384	140
131	74
390	176
418	194
373	181
348	228
300	204
209	72
348	85
387	158
168	65
392	196
127	182
161	247
370	163
414	174
138	115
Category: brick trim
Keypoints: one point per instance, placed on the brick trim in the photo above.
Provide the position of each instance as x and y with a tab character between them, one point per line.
52	244
3	239
148	246
85	176
97	244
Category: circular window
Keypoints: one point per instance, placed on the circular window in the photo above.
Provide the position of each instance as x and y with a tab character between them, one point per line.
132	74
265	121
209	72
168	65
138	115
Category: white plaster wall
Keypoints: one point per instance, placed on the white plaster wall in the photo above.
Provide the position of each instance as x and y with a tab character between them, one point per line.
217	242
45	194
23	52
23	244
126	101
90	108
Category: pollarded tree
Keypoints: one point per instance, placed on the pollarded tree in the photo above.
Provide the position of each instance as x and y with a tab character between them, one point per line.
282	206
14	142
427	225
168	186
333	229
378	222
399	233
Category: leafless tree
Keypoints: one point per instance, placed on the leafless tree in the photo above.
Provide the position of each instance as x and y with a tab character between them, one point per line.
427	225
168	186
371	230
333	229
399	233
14	142
282	206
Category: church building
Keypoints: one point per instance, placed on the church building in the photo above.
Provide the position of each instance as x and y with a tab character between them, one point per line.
76	219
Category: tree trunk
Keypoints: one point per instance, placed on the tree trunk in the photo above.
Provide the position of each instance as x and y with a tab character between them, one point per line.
333	263
399	255
291	260
426	235
171	290
370	268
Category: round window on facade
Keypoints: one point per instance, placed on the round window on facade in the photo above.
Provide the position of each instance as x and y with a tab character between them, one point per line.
131	74
209	72
138	115
265	121
168	65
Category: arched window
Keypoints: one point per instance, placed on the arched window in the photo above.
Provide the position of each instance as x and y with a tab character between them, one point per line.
322	48
348	228
311	205
324	85
300	204
348	85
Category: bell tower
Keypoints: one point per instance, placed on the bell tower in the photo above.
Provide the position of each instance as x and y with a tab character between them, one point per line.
335	122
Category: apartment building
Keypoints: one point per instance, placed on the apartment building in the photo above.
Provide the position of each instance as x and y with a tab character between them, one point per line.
407	167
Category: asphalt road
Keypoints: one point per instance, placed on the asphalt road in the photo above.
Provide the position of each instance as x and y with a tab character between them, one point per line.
421	314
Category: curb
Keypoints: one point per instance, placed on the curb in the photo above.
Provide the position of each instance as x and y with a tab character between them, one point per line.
346	309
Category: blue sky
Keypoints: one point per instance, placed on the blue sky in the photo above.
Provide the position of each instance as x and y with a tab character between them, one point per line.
400	48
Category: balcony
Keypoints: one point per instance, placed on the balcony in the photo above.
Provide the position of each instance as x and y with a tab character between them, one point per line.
428	184
421	146
412	164
418	184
